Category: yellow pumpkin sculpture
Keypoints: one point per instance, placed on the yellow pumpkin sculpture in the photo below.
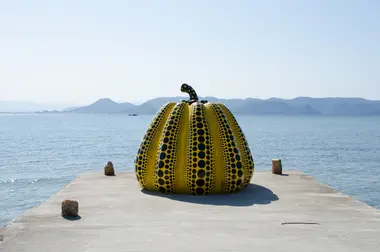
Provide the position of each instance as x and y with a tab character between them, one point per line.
194	147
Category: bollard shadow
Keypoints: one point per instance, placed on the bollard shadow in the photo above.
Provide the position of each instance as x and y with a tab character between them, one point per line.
283	174
72	218
251	195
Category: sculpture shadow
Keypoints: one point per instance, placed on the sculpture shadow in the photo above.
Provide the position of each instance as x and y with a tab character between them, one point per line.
251	195
72	218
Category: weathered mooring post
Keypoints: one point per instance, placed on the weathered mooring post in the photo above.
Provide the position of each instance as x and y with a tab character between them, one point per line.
276	166
109	170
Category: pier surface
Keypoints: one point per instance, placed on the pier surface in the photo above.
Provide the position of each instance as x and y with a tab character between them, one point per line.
292	212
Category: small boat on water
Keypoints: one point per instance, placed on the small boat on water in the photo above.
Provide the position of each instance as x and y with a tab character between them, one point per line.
132	114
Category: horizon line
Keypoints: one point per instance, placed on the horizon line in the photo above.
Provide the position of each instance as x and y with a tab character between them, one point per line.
69	104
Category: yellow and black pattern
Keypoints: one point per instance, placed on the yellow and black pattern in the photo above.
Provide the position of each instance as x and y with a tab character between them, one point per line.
200	172
187	89
165	169
247	159
194	147
233	171
141	161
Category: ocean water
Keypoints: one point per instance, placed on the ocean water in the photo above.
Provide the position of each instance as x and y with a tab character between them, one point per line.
39	154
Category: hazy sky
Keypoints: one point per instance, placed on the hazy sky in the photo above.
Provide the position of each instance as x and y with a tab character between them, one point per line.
79	51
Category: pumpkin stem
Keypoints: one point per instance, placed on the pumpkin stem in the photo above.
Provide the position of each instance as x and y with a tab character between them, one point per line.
188	89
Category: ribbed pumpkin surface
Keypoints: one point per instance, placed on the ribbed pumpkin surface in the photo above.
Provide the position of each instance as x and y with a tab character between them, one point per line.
195	148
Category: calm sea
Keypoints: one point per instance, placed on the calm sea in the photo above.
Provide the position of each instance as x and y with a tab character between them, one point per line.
41	153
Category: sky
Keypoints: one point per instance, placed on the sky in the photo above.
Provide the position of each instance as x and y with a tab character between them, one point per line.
75	52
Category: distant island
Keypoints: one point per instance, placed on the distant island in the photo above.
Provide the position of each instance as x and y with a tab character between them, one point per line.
249	106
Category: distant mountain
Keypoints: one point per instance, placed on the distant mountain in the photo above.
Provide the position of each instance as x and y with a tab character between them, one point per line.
375	113
145	108
340	106
157	103
104	105
25	106
70	109
250	106
273	106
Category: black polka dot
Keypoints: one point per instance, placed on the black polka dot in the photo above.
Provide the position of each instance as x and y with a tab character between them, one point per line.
201	146
160	173
162	189
199	191
201	154
201	173
200	182
201	163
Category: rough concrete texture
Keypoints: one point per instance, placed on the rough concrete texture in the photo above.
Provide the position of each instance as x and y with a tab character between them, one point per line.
291	212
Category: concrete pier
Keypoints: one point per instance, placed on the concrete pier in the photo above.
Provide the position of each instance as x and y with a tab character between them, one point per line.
289	212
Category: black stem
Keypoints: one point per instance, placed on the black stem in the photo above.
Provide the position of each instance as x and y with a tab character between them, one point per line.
188	89
193	95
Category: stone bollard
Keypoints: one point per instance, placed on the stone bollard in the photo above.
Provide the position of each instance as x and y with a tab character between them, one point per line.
276	166
109	170
70	208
